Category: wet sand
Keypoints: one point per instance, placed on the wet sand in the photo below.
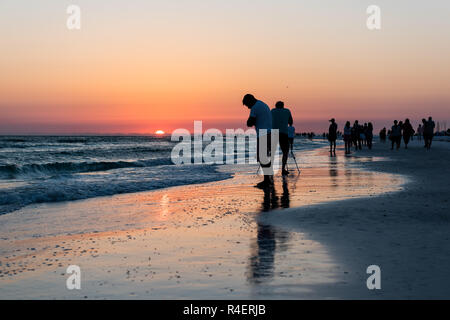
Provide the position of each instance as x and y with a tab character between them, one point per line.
406	234
220	240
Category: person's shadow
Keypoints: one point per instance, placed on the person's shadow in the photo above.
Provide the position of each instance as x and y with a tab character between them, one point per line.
268	239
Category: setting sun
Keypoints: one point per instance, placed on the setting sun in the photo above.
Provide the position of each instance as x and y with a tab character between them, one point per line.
160	132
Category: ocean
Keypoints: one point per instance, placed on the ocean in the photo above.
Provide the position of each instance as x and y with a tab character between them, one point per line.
39	169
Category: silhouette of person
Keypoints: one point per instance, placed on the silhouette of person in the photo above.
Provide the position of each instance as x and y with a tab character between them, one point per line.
281	119
428	133
347	137
396	135
408	132
364	135
291	135
369	135
261	118
383	135
356	135
332	136
420	132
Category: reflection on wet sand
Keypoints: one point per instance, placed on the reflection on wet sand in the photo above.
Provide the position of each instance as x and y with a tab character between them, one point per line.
334	172
268	239
271	242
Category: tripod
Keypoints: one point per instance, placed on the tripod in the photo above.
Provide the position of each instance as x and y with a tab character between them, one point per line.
295	160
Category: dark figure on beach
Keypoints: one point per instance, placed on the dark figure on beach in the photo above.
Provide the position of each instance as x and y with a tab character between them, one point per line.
420	132
361	136
356	135
348	137
261	118
369	135
383	135
332	136
291	136
400	123
424	126
428	132
408	132
364	135
396	135
281	120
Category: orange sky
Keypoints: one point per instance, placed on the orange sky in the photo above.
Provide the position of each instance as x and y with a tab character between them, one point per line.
136	66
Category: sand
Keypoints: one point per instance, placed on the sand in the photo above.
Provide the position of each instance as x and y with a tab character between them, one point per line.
313	238
406	234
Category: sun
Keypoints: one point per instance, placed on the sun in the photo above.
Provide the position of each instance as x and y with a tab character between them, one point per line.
159	132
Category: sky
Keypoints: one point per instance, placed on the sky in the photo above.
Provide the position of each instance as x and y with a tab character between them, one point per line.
139	66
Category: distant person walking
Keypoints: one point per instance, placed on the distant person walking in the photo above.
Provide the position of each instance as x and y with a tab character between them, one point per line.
364	134
281	120
348	137
383	135
408	132
361	136
428	132
261	118
369	135
291	136
356	137
420	132
396	135
332	136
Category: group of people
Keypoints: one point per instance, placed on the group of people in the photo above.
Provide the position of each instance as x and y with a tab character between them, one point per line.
280	118
264	120
357	136
404	131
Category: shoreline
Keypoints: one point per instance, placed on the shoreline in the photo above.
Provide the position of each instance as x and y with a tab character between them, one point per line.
206	240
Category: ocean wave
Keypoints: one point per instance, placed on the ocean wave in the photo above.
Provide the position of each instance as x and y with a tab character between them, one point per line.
72	140
13	171
143	179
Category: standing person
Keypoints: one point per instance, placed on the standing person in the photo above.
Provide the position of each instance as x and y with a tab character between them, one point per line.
401	130
332	136
361	136
425	138
383	135
364	137
291	136
369	135
347	137
420	132
356	135
261	118
396	135
429	132
281	119
408	132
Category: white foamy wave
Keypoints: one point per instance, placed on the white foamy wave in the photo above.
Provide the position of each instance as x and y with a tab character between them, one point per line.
99	184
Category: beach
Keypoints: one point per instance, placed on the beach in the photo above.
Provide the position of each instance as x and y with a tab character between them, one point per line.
406	233
313	238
